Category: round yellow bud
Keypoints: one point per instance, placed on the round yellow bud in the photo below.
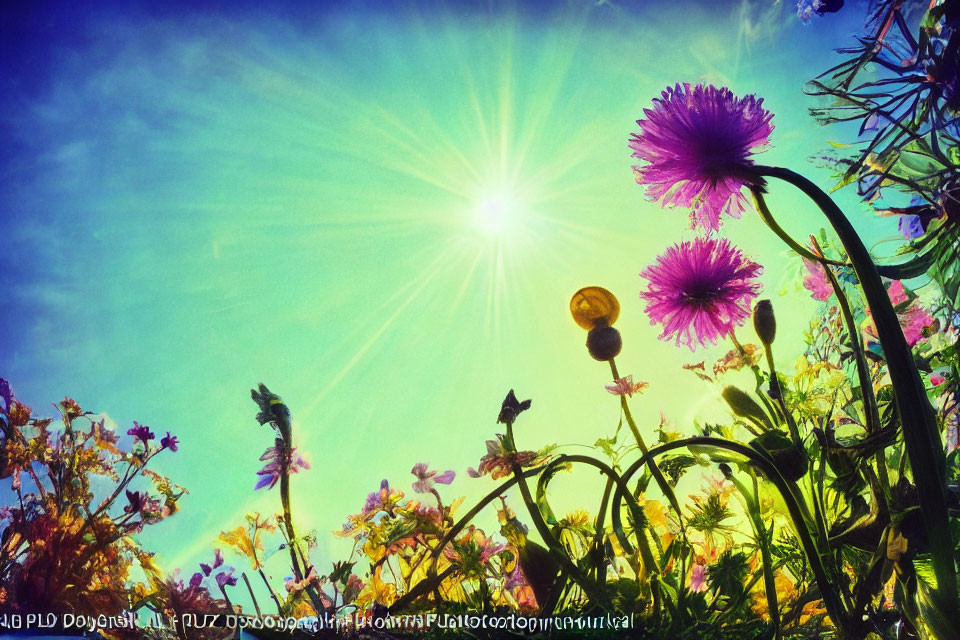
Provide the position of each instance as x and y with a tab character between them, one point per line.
594	306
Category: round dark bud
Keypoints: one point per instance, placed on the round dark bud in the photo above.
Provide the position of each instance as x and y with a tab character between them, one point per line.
604	343
764	322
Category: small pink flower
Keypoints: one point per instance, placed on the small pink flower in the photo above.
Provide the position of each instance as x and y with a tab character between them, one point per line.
937	379
913	322
816	281
625	386
896	293
425	478
698	578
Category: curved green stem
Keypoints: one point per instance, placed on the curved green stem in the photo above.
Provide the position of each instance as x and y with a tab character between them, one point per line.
871	410
826	583
555	548
921	435
767	217
646	554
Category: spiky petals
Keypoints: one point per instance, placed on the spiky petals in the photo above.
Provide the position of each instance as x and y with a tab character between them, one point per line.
697	143
699	291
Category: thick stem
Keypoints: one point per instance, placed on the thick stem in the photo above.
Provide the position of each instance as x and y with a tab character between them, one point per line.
920	433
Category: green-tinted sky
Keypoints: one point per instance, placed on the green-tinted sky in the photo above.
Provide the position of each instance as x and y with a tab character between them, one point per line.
381	215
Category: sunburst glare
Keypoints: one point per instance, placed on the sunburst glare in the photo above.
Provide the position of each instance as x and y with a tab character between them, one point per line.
381	217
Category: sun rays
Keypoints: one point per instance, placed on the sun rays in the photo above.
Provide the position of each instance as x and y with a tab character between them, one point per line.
381	217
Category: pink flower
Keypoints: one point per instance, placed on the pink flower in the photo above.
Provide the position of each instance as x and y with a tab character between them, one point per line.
697	143
698	578
625	386
816	281
425	478
700	291
913	322
282	462
499	461
937	379
896	293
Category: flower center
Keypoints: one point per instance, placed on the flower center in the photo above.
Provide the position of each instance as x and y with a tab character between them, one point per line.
700	293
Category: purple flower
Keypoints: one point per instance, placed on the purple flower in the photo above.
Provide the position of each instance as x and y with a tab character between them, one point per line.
911	226
700	291
384	498
217	561
6	393
169	442
141	432
425	478
226	578
195	580
137	502
281	462
697	143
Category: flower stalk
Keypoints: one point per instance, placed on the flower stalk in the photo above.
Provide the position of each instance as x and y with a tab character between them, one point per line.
920	433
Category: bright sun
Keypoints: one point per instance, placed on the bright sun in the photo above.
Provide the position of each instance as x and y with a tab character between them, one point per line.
498	211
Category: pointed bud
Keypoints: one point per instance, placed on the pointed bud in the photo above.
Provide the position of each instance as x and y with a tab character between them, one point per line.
764	322
743	405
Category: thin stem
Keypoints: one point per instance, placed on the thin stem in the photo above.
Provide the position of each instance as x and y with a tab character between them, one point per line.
758	375
651	463
871	411
771	222
273	594
763	537
256	605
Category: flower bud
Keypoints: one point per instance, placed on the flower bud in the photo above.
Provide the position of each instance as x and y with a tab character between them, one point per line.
593	307
743	405
604	343
764	322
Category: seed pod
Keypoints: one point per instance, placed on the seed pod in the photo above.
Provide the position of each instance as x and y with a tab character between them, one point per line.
604	343
764	322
